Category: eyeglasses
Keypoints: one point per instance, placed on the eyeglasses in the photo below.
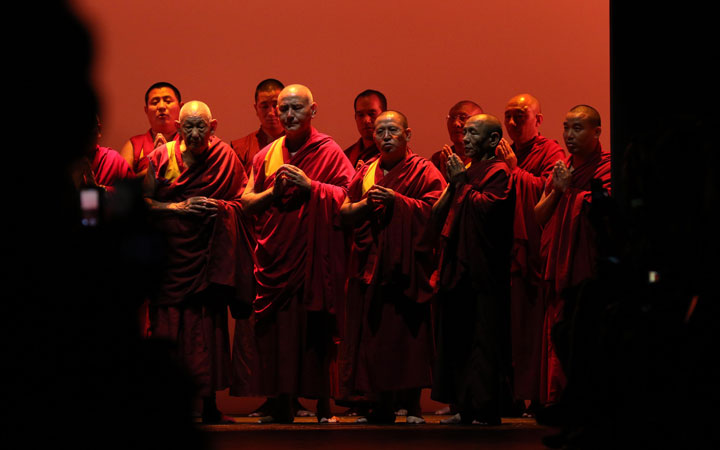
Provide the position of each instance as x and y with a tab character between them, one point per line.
463	117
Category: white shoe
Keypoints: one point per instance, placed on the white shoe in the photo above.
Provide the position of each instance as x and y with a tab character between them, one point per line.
452	420
414	420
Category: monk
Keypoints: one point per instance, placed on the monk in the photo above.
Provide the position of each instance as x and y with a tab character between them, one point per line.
266	95
101	167
368	105
388	348
568	245
473	283
530	159
297	185
162	107
458	114
193	187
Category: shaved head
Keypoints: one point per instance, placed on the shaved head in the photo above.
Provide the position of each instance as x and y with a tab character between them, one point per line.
523	118
397	114
195	108
592	114
481	136
489	122
457	116
297	90
525	101
466	105
268	85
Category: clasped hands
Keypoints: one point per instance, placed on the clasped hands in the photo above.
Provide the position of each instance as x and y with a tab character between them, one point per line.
455	167
197	206
561	176
289	175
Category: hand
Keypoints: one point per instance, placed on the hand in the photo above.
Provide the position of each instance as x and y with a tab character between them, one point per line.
561	176
445	154
505	152
159	140
197	206
359	164
380	195
82	174
456	170
294	175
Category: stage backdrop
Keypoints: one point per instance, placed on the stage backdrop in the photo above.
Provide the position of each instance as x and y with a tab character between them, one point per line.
424	55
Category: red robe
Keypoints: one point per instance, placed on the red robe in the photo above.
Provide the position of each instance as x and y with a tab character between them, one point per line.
247	147
534	164
388	340
109	167
143	145
358	152
568	254
474	293
208	261
300	269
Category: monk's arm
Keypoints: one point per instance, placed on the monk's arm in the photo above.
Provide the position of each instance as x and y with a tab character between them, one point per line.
441	207
352	213
546	206
127	152
255	203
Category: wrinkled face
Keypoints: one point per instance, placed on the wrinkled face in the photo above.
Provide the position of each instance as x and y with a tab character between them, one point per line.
521	121
366	111
579	134
265	108
456	121
196	131
295	112
391	138
162	109
476	138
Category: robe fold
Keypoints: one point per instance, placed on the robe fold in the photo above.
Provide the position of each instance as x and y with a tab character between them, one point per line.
109	167
358	152
209	260
535	161
300	267
248	146
388	341
568	252
473	293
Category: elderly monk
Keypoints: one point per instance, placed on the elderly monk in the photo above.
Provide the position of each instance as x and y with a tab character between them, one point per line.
297	185
101	167
193	187
530	159
473	283
266	95
388	348
458	114
568	245
162	107
368	105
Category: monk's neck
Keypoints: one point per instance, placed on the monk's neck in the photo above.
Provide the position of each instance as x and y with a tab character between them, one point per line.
295	141
367	143
526	144
387	164
272	133
580	158
459	149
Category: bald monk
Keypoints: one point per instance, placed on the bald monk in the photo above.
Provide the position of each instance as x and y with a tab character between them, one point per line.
101	167
266	95
388	346
473	284
297	185
368	105
458	114
193	187
568	246
162	107
530	159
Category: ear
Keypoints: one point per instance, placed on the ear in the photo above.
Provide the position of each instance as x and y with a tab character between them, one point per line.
539	119
598	132
494	139
408	133
178	125
213	126
145	108
313	109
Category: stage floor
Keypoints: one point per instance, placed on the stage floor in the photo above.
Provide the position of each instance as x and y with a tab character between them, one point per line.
306	433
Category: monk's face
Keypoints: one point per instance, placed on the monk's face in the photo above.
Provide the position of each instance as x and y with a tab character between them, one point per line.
266	109
580	136
391	138
196	131
366	111
522	119
162	109
456	119
477	138
296	112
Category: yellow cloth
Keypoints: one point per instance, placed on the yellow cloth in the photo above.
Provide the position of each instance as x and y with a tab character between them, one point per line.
172	172
274	157
369	178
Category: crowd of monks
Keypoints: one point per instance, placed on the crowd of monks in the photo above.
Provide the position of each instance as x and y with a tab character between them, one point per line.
368	274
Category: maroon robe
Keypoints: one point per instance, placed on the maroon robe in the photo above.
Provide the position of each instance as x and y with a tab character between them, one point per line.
109	167
208	260
534	164
358	152
388	340
300	270
474	293
568	253
247	147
